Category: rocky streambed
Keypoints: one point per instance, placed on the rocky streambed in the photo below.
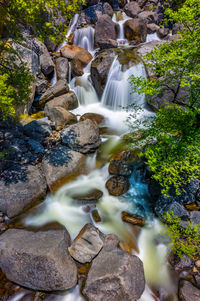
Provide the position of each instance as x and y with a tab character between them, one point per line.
78	210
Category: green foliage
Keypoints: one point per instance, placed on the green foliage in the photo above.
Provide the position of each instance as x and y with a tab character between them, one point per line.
170	140
184	240
176	65
44	17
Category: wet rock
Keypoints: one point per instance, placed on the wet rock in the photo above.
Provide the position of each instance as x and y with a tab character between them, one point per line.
38	260
99	70
61	163
189	292
132	9
61	117
107	44
107	9
195	217
167	205
74	52
162	32
41	86
95	118
95	215
135	30
148	17
117	185
92	195
20	187
105	30
121	164
60	88
46	63
38	129
90	15
114	275
133	219
67	101
62	67
151	28
87	244
83	137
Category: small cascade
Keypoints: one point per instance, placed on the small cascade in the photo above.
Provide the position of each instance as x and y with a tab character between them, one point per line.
152	37
121	40
72	28
84	38
117	93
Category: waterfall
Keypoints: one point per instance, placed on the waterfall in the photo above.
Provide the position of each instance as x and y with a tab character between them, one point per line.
152	37
117	93
121	40
72	27
84	38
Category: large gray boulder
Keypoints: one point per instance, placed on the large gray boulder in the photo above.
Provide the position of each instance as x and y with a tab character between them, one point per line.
115	275
61	117
189	292
67	101
46	62
38	260
135	30
99	70
21	186
82	137
105	29
87	244
132	9
61	163
62	67
60	88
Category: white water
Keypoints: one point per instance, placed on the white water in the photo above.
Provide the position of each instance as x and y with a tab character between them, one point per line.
84	38
117	93
121	40
152	37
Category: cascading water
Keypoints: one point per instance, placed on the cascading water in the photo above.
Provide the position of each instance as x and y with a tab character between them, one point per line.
123	18
117	93
84	38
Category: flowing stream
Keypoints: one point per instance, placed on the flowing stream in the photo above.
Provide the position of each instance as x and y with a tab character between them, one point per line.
63	206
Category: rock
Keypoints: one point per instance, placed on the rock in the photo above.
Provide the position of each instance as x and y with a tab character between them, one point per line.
83	137
95	215
114	275
61	163
189	292
62	67
87	244
92	195
107	44
38	260
90	15
67	101
133	219
148	17
74	52
132	9
107	9
117	185
41	86
148	47
97	119
195	217
60	88
21	186
38	129
46	63
120	164
61	117
135	30
167	205
151	28
162	32
105	30
99	70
